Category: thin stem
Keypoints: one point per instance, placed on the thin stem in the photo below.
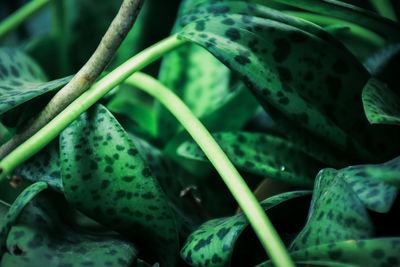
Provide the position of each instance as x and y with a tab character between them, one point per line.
323	20
384	8
85	77
82	103
258	219
21	15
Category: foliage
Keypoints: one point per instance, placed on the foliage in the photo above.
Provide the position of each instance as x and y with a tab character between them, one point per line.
300	92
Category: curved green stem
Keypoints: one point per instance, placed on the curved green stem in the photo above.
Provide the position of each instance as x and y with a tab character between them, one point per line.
51	130
258	219
21	15
363	33
384	8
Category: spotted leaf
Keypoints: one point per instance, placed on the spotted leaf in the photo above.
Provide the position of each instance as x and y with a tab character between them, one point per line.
106	177
44	166
369	183
381	105
388	172
212	244
359	252
41	237
261	154
16	208
280	60
21	79
336	214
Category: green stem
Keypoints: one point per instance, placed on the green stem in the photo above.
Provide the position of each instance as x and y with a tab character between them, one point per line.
21	15
384	8
51	130
258	219
362	33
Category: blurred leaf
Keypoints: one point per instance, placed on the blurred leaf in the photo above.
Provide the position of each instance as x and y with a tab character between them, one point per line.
358	252
16	208
106	178
44	166
41	238
381	105
212	244
22	79
339	9
261	154
336	214
195	76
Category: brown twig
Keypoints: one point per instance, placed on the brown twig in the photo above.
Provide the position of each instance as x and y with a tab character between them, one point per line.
85	77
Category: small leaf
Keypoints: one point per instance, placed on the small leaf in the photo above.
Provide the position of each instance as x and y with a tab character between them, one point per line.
22	79
42	238
261	154
381	105
212	244
336	214
106	177
352	252
44	166
16	208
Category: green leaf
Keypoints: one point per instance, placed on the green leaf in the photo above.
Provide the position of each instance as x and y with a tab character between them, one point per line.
281	63
336	213
364	252
43	238
16	208
106	178
22	79
381	105
261	154
212	244
44	166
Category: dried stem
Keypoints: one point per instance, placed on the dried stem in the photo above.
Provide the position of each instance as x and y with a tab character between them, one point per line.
110	42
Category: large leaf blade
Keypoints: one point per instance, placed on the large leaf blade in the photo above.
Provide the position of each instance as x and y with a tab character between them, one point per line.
106	178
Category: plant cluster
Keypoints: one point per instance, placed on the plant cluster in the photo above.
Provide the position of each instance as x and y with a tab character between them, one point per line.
293	103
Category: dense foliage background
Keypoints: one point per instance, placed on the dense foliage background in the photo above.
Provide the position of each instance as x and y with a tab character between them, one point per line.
309	113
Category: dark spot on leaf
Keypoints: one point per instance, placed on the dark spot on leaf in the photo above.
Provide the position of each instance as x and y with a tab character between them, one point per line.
200	25
148	195
233	34
228	21
146	172
282	50
285	74
218	9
